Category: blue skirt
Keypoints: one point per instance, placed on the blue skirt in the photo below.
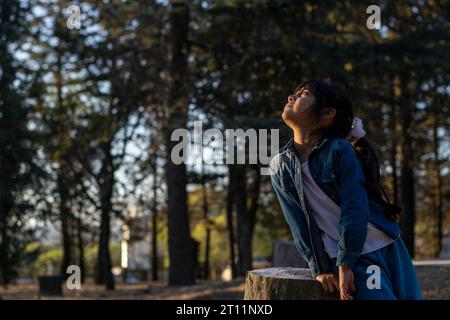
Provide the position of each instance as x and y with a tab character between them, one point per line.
385	274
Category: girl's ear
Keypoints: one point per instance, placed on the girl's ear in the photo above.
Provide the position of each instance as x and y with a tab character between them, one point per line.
330	113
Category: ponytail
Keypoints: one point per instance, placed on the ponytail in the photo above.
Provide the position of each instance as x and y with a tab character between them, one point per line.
371	169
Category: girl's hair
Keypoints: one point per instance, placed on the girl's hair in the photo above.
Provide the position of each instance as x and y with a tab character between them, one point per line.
328	95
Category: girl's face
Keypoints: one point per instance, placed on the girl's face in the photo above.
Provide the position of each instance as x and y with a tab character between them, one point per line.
297	111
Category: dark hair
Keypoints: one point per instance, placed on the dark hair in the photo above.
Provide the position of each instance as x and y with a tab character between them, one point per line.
328	95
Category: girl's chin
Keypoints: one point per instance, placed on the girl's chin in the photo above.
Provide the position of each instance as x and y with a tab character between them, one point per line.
287	110
293	121
287	118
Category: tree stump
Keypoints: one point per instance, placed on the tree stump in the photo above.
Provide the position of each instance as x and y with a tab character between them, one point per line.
284	284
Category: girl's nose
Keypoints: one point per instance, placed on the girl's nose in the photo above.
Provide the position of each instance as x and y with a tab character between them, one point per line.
292	98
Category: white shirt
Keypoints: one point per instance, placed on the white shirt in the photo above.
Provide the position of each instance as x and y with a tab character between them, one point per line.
327	215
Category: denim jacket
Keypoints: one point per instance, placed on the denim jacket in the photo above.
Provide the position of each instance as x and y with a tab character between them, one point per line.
335	168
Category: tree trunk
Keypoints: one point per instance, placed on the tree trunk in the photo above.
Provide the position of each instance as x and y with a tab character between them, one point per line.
104	265
181	270
154	225
104	273
207	223
407	188
244	225
63	183
394	144
438	185
254	198
64	208
230	224
4	244
408	220
284	284
80	248
5	265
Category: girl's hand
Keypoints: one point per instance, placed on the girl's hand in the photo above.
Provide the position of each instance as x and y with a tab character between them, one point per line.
329	281
346	283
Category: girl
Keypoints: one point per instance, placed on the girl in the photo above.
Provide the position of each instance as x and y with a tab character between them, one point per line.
327	180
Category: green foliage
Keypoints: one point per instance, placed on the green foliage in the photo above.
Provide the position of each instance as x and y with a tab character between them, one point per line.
48	263
40	259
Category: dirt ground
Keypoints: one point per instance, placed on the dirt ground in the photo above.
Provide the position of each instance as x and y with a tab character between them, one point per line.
435	283
203	290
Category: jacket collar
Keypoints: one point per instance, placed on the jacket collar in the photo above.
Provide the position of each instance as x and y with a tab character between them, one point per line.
290	145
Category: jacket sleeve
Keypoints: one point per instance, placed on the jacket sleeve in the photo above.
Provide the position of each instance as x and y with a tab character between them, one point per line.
353	203
296	221
290	210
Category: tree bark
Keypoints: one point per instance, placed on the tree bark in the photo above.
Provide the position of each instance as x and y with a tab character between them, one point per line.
154	224
244	225
181	270
80	248
394	144
65	216
407	187
63	183
254	198
5	264
284	284
230	224
438	185
408	219
104	265
208	229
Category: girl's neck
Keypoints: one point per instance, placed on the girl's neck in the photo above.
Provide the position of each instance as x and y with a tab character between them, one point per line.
304	141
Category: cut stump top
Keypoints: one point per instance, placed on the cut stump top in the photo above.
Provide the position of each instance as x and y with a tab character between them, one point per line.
284	273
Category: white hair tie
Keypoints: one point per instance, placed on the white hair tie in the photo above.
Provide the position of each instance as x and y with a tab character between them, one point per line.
357	131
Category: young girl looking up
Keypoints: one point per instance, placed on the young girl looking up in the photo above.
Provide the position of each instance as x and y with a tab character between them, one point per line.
327	180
